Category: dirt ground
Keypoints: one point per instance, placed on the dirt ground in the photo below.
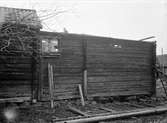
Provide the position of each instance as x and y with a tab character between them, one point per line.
42	113
158	118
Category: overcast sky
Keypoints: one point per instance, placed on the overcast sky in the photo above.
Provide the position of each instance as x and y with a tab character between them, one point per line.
127	19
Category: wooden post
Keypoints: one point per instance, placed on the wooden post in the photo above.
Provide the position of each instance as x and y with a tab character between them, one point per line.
81	95
40	81
33	70
85	84
85	68
50	75
52	100
153	69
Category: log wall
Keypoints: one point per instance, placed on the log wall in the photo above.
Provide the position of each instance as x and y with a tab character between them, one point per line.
15	76
19	67
67	68
114	66
119	67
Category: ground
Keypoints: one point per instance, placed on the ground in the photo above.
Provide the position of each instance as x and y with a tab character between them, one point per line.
42	113
158	118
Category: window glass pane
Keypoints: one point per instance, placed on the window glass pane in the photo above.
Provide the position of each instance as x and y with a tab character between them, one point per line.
45	45
53	46
50	46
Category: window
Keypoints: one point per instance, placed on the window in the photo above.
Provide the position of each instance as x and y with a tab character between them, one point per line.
50	46
45	47
117	46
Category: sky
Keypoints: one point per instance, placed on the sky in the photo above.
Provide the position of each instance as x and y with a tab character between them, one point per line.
126	19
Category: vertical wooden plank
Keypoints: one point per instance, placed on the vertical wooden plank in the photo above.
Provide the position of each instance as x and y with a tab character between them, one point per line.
52	87
40	78
32	77
85	67
50	75
81	95
85	84
35	69
40	81
153	69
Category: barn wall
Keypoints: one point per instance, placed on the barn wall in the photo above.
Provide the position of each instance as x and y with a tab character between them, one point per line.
67	68
119	67
114	66
19	71
15	76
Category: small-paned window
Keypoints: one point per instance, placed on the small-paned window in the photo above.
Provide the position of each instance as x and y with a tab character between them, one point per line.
50	46
45	47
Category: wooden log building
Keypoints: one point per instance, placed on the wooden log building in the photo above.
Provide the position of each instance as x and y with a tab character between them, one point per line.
103	66
19	41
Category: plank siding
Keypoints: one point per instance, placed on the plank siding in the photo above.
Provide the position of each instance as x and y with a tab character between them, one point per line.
19	71
15	76
114	66
119	56
67	69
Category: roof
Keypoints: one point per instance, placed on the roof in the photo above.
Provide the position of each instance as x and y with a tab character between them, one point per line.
46	33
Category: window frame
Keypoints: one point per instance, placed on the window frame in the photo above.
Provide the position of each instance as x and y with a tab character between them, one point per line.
49	39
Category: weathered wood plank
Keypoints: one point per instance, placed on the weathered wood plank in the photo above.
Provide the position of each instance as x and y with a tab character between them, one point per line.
108	109
15	99
75	110
81	95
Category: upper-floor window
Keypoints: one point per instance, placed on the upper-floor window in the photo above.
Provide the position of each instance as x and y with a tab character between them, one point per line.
50	46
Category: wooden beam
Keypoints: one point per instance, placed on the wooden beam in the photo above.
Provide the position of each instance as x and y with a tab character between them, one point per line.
147	38
84	45
50	75
16	99
135	105
108	109
81	95
150	105
153	69
85	84
144	102
52	86
33	69
75	110
40	81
